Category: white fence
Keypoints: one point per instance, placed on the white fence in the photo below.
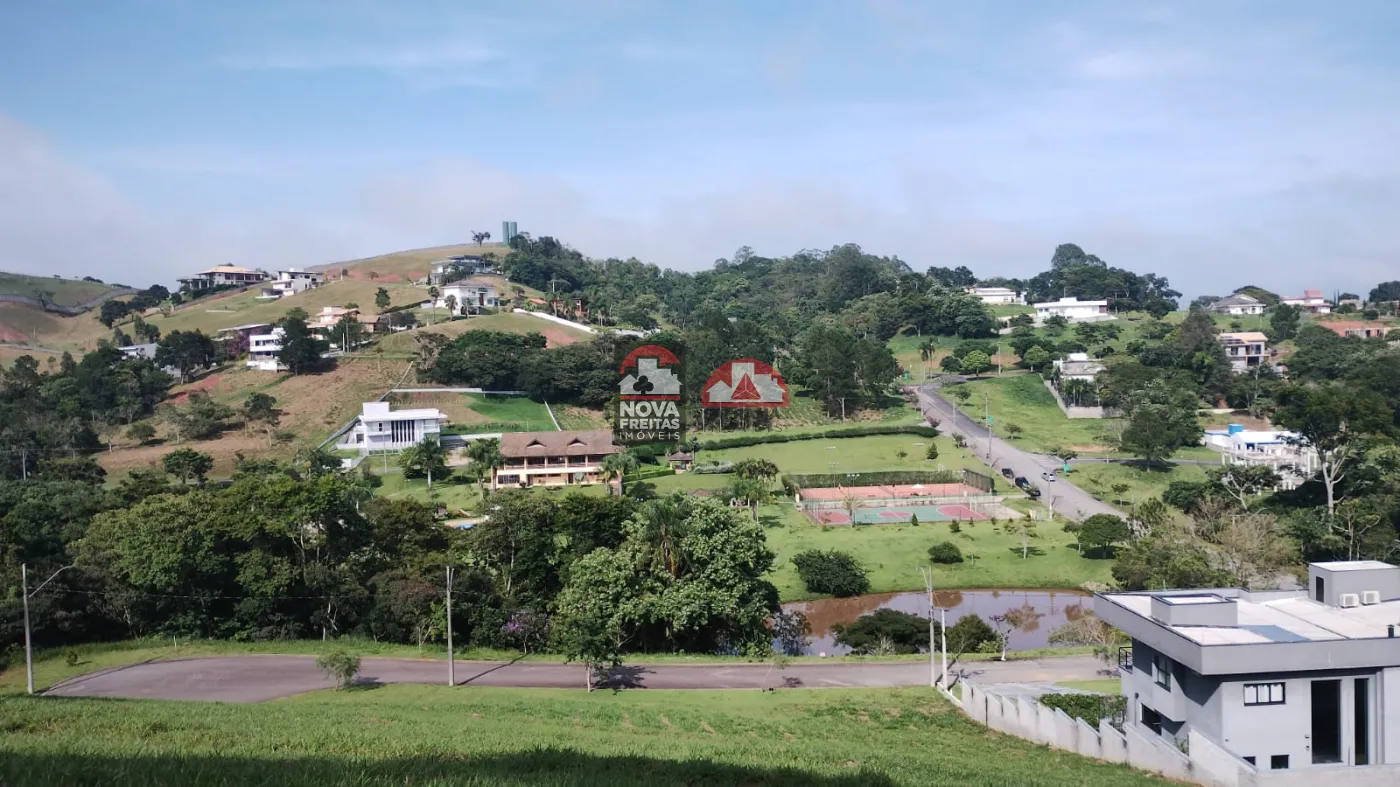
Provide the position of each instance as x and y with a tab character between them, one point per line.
1203	761
580	326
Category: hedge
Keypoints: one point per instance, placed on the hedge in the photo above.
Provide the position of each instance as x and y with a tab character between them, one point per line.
743	441
1089	707
648	471
873	478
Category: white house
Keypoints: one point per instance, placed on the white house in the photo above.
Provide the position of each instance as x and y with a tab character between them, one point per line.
263	349
329	316
1309	301
469	264
1073	309
477	293
290	282
1245	349
222	275
381	429
1282	451
1237	305
996	296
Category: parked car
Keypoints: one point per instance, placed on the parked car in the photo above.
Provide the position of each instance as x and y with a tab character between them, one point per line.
1021	481
1008	472
1048	476
1032	491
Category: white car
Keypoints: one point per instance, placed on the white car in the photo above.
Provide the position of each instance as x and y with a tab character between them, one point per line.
1048	476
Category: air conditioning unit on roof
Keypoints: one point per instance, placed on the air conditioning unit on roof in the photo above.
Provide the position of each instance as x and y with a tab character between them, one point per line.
1370	597
1348	600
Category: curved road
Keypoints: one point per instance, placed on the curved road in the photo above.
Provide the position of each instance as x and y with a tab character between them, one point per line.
1068	499
259	678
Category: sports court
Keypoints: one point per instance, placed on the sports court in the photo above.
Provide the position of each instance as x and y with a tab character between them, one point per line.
872	505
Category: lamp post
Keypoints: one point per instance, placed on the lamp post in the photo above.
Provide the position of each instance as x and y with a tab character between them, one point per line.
451	665
933	679
25	594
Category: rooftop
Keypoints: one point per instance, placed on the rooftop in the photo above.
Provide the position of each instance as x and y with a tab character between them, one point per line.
1244	336
1341	327
1070	302
593	441
1237	299
379	411
227	269
1291	618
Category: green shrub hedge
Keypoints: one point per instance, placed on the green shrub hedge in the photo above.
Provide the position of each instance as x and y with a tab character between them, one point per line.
743	441
1089	707
873	478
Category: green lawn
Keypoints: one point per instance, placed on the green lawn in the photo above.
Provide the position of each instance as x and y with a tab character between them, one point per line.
1099	480
852	454
434	735
893	554
66	292
455	491
1023	400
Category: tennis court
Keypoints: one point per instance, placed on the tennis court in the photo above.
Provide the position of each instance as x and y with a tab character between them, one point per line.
890	514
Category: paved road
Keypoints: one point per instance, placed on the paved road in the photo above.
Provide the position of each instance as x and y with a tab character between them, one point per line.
259	678
1068	499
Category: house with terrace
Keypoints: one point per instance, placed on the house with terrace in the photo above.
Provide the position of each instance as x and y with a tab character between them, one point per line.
1238	305
1310	301
1305	680
569	458
290	282
224	275
380	429
1245	350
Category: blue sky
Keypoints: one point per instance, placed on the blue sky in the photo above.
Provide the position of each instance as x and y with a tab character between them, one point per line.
1218	143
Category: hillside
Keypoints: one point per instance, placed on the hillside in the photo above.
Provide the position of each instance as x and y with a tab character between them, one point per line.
403	266
66	292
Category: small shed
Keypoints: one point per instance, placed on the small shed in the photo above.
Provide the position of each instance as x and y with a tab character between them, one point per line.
680	461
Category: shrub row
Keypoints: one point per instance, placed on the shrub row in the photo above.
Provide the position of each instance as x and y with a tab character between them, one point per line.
648	471
743	441
873	478
1089	707
716	468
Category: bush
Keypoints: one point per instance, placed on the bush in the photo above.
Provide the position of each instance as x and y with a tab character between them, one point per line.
900	632
1092	708
71	657
833	572
945	552
743	441
340	666
875	478
969	633
716	468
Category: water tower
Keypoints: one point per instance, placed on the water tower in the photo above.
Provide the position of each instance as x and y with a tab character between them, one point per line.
508	231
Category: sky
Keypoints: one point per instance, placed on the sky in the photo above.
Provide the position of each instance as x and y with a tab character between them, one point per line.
1218	143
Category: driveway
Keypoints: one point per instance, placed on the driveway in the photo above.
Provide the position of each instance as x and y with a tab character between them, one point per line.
260	678
1063	496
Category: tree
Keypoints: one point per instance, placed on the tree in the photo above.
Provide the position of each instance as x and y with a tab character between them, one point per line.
199	419
1284	322
1333	420
885	632
616	466
260	409
1055	324
451	303
945	552
1036	357
381	299
1254	548
756	469
480	238
433	296
426	457
976	362
1244	482
928	348
185	351
1064	454
1014	431
1101	531
485	456
931	453
950	364
301	349
187	464
340	666
1161	418
142	432
833	572
113	312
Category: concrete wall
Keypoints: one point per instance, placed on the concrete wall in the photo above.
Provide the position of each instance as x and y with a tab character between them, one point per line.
1080	412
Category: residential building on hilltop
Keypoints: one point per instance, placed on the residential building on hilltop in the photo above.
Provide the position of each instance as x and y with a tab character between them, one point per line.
1284	679
553	458
1358	329
329	316
221	275
264	349
291	282
460	265
1077	366
1073	309
382	429
996	296
1237	305
472	293
1309	301
1245	349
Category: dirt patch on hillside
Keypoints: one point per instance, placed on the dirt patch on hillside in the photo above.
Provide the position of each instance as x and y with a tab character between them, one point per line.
206	384
364	274
224	450
558	337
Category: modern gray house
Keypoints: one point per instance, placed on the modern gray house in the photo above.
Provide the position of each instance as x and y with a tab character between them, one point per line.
1281	679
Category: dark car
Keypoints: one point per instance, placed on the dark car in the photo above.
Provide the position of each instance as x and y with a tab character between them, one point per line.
1008	472
1021	481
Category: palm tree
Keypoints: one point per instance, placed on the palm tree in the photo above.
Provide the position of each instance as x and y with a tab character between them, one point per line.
485	456
663	522
425	457
927	349
451	302
433	295
617	466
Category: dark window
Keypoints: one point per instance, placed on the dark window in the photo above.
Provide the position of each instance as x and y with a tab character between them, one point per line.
1318	586
1249	760
1263	694
1362	721
1151	719
1279	762
1162	670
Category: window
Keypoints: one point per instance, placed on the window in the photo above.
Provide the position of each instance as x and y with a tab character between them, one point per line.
1279	762
1162	670
1263	694
1151	719
1249	760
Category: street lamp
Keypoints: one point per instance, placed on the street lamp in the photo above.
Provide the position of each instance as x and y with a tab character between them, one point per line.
943	633
25	594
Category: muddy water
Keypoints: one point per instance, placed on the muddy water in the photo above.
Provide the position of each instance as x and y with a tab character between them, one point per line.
1048	609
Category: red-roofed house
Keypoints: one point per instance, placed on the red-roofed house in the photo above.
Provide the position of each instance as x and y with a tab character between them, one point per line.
1361	330
1309	301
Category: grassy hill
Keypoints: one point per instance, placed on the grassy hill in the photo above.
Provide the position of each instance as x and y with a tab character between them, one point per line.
399	734
403	266
66	292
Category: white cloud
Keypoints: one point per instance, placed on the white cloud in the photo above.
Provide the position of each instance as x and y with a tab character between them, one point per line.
1127	65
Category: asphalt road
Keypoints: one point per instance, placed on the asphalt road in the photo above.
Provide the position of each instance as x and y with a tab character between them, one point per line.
1067	499
260	678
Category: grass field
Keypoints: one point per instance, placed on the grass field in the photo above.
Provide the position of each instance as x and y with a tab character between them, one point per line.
1024	401
557	335
66	292
424	735
473	413
1099	480
408	265
893	554
851	454
1105	686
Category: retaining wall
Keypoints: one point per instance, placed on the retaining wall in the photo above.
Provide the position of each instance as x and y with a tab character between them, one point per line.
1080	412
